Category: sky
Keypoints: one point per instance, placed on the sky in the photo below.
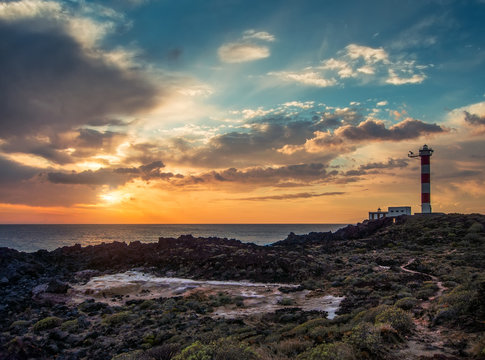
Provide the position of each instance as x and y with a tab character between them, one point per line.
238	111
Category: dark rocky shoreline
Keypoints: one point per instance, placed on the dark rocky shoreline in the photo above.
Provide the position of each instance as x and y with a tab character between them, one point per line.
360	262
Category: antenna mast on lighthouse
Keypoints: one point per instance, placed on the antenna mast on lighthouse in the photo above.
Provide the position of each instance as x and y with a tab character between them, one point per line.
425	154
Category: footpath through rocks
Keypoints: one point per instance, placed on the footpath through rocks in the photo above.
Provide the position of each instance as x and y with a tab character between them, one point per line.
428	341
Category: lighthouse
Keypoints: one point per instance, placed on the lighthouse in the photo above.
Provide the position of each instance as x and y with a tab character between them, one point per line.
425	154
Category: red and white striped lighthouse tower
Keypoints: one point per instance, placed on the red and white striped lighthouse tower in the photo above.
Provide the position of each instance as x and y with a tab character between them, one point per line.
425	154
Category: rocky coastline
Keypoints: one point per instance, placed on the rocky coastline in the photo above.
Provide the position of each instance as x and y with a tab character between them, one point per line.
382	302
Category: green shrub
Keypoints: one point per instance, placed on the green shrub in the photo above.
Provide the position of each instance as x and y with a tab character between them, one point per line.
70	325
132	355
195	351
458	302
366	336
20	324
307	326
476	227
406	303
370	314
334	351
286	302
47	323
222	349
118	318
162	352
472	238
400	320
292	347
147	304
389	334
459	299
425	294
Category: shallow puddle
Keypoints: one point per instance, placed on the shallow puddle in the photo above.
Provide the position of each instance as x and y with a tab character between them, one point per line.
257	297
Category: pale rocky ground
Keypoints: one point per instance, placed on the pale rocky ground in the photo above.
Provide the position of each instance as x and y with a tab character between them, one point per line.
116	289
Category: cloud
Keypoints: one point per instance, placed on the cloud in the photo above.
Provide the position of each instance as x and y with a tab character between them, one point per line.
259	35
376	130
247	48
301	174
347	137
304	195
310	78
113	177
76	21
423	34
12	11
341	116
343	68
52	91
13	172
370	55
21	184
66	147
474	119
360	63
375	167
394	79
55	86
291	133
27	9
242	52
254	143
300	104
391	164
460	175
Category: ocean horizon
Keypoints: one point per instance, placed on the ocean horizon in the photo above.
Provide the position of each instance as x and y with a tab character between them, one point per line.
33	237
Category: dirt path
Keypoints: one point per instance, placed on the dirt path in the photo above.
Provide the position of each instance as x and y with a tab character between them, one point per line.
426	342
440	285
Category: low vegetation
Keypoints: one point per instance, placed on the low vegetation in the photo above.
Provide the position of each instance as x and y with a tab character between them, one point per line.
385	308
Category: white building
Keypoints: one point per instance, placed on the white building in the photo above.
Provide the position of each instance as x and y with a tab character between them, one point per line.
392	211
379	214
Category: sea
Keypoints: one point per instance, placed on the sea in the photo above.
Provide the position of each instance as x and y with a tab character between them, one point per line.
30	238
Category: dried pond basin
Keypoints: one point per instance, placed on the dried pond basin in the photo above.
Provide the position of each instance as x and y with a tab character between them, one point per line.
256	297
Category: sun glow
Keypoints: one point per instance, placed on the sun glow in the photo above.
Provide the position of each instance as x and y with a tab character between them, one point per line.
114	197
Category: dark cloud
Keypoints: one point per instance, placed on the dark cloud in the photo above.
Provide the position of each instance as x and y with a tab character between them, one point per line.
260	176
42	147
286	140
296	172
112	177
341	117
258	144
82	143
374	167
292	196
12	172
93	138
459	174
21	184
357	172
374	130
474	119
49	84
390	164
90	177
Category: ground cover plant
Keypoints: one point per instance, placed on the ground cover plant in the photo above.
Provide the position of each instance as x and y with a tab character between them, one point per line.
414	289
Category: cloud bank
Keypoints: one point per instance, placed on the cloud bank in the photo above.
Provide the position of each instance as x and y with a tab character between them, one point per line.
363	64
